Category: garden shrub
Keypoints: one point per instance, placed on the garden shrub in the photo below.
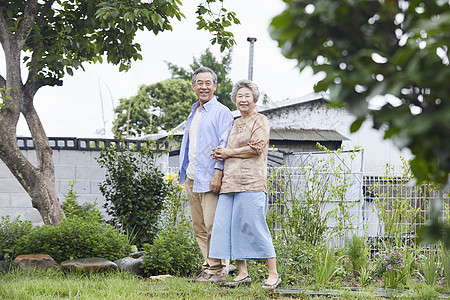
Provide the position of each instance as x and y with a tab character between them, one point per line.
10	232
74	238
174	251
134	190
394	266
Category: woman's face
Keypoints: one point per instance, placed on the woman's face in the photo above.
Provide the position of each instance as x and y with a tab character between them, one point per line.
244	100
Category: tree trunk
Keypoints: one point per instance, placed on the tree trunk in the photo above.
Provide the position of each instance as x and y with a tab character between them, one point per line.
38	181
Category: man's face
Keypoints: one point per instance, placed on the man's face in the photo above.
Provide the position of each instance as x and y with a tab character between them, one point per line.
204	86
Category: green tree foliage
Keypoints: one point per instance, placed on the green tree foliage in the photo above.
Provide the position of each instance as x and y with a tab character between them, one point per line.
162	105
216	22
55	37
165	104
396	49
221	67
370	48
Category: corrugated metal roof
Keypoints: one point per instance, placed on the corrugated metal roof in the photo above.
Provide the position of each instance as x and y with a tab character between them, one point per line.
315	135
266	108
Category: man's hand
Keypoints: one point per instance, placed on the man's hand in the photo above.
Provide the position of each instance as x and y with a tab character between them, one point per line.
216	181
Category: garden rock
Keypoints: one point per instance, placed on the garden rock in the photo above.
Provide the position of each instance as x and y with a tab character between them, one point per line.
136	254
131	265
43	261
92	264
2	265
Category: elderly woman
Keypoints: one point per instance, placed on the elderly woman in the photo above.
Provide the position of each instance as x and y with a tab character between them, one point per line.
240	231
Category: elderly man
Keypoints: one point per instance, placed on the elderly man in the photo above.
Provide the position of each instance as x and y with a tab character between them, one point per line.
207	127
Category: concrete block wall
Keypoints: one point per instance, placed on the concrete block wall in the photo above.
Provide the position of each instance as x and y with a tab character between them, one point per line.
74	160
70	165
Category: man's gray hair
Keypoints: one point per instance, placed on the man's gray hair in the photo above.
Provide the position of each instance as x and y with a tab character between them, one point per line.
248	84
203	70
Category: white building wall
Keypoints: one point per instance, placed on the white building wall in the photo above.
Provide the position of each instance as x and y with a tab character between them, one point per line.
316	115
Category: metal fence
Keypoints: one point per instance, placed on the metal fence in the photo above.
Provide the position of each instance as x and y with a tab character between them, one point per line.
381	208
393	208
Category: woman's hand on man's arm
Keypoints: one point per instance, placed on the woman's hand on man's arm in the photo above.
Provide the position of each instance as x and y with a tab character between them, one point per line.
220	153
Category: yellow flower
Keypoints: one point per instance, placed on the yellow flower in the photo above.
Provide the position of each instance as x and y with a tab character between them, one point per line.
170	177
181	187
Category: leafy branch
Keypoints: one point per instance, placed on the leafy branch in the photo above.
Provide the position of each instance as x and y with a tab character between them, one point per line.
217	23
3	97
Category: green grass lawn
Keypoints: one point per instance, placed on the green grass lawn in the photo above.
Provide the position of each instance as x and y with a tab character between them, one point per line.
38	284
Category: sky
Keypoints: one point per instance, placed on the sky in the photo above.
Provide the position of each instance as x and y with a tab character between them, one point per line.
83	106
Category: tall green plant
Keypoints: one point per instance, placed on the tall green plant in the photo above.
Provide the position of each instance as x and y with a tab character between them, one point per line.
429	267
294	259
326	265
304	193
395	207
357	253
445	254
175	209
73	209
134	190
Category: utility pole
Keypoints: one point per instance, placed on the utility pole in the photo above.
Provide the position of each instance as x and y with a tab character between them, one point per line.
252	41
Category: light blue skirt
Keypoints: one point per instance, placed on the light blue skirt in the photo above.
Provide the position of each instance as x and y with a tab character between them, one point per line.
240	231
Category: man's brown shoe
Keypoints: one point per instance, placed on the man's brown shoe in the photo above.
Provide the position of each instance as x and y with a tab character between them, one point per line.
212	278
199	275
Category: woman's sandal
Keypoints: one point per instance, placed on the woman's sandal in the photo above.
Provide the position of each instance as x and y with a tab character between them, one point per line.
274	286
246	281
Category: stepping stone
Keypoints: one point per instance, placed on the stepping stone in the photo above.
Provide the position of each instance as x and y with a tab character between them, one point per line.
92	264
160	277
42	261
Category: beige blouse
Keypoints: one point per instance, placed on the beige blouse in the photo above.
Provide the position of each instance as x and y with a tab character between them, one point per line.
247	174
